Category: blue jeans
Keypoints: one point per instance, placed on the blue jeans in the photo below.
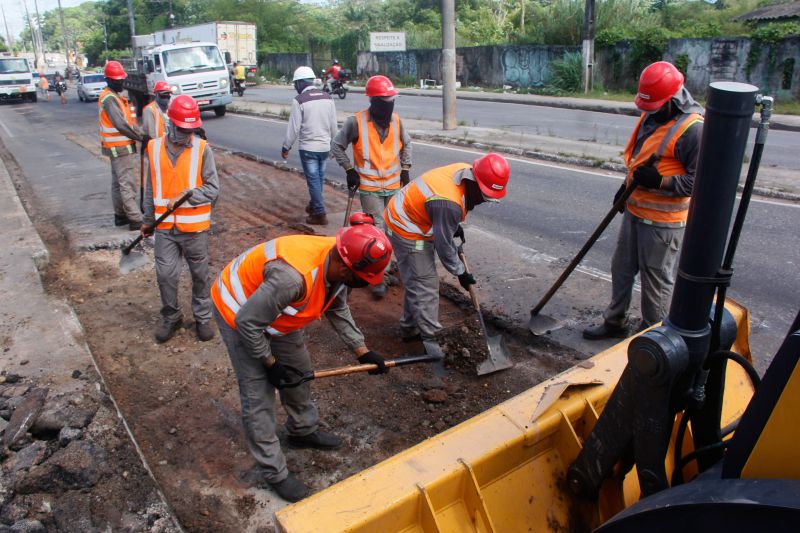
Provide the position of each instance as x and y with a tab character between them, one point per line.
314	169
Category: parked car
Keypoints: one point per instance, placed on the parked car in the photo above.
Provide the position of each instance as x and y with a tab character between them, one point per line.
90	85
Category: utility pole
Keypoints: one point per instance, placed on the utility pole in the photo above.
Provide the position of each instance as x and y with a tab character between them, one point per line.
39	26
33	34
132	23
170	17
588	46
8	34
448	65
66	41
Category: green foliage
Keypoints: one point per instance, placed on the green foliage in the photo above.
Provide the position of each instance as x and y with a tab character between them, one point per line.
768	37
682	63
647	46
566	75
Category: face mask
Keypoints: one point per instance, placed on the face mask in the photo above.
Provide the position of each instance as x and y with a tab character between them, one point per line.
300	85
114	85
179	136
473	195
381	111
664	113
356	283
162	100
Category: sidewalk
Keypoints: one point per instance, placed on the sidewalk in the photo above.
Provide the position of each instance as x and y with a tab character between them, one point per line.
773	182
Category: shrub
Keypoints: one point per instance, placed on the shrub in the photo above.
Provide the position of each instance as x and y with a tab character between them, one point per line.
567	73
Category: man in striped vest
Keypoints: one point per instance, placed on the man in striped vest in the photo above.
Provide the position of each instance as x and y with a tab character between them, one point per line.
262	301
661	157
118	136
426	216
381	152
178	162
154	114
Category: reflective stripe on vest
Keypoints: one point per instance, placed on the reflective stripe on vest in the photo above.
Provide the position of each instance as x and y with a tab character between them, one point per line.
110	136
659	206
158	117
242	277
405	214
377	163
169	181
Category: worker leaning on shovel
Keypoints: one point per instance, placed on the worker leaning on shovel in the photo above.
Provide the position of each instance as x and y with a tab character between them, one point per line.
426	215
176	163
263	299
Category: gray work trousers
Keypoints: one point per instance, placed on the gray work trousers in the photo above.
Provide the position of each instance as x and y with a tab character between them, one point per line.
169	250
125	187
417	266
257	397
374	205
651	251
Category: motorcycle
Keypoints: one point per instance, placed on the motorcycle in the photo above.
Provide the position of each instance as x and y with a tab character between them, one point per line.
239	86
338	87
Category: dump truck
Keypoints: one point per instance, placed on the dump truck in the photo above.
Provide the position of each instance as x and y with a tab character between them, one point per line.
669	430
16	79
236	40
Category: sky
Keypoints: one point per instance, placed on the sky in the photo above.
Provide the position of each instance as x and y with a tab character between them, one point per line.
15	13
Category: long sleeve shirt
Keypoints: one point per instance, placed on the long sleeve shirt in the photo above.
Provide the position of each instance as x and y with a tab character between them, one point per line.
149	123
117	118
445	217
349	134
312	121
283	285
207	193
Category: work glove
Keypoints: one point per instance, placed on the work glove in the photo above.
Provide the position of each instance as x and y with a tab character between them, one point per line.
618	195
147	230
145	140
405	177
466	279
374	358
648	177
278	375
284	153
459	234
353	179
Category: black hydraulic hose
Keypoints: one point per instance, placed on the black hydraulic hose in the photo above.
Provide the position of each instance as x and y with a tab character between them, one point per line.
691	456
747	192
677	474
755	379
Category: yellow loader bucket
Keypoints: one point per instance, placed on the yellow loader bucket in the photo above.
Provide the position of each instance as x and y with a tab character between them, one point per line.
505	469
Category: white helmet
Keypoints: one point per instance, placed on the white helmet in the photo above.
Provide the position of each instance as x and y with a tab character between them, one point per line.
303	73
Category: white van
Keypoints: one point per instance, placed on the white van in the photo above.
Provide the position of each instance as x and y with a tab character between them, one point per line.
16	79
90	85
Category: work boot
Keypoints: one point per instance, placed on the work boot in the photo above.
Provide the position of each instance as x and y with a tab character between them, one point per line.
605	331
391	280
290	489
411	334
121	220
135	226
379	291
166	329
204	331
308	209
320	440
317	220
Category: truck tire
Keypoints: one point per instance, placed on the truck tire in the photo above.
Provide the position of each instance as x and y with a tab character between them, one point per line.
220	111
33	97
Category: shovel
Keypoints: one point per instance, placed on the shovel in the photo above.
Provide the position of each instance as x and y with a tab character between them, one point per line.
353	369
543	324
130	260
351	193
499	358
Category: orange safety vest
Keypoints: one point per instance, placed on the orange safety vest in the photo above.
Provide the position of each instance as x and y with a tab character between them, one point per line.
242	276
168	182
658	206
377	163
405	214
110	137
159	117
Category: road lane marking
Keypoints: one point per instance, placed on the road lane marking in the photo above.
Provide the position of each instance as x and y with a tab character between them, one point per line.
3	123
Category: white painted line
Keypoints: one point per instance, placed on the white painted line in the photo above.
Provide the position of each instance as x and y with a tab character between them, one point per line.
8	132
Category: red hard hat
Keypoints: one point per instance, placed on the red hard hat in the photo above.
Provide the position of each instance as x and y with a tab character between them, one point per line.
491	172
379	86
162	87
658	83
359	218
366	250
115	71
184	113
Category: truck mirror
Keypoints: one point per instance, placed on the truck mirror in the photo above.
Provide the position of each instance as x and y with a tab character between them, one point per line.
150	66
227	57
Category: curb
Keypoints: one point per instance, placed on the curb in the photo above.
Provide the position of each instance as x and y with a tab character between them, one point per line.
531	154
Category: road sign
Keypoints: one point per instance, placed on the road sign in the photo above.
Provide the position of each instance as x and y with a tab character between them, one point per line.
387	41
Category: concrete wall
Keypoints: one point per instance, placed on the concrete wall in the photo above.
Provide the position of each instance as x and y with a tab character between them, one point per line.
284	63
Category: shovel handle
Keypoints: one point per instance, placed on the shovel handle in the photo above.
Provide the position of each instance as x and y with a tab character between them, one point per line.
354	369
159	220
472	294
351	193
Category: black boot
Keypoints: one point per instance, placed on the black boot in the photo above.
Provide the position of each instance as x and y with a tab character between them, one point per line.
320	440
121	220
379	291
290	489
204	331
166	329
605	331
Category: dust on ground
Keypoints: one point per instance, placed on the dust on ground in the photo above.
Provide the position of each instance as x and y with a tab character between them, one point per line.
181	398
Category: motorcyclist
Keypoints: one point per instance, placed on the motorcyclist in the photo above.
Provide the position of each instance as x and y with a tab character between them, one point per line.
61	86
238	74
332	74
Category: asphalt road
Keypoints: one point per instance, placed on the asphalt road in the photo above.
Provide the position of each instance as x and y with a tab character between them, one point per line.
588	126
550	208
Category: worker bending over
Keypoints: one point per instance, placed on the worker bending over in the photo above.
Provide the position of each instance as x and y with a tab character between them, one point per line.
381	153
118	136
425	216
661	157
154	114
263	299
176	163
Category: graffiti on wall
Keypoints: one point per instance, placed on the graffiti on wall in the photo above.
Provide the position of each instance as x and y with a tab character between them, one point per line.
525	67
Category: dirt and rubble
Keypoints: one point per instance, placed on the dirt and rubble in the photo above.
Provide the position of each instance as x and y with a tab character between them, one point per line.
181	398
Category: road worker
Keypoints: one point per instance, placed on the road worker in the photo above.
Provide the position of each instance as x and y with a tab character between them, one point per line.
178	162
381	153
426	216
312	122
263	299
661	157
118	136
154	114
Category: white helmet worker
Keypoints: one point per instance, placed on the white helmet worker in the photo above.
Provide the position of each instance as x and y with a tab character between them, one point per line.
303	73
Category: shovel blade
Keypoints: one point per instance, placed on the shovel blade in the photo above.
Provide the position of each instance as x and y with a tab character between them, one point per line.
132	261
499	356
543	324
432	348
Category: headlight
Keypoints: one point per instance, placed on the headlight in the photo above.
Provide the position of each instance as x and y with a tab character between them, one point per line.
174	89
223	82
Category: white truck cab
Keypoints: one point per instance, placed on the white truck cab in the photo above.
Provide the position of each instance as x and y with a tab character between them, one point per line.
16	79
